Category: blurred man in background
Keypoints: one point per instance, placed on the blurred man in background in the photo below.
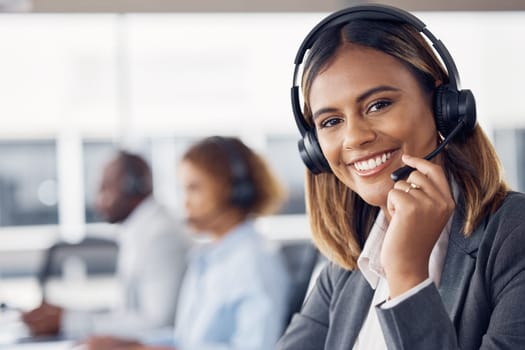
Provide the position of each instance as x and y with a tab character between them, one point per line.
151	261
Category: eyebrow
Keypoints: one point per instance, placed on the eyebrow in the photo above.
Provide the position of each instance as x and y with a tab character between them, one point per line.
359	98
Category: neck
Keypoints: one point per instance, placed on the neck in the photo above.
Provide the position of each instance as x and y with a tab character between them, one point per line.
228	222
134	202
386	213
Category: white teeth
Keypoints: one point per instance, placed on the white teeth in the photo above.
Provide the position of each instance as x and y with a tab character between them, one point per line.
372	162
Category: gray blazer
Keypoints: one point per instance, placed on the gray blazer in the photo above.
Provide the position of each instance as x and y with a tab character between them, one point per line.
477	305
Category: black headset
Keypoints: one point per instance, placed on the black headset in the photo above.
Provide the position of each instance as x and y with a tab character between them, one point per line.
454	109
134	181
243	191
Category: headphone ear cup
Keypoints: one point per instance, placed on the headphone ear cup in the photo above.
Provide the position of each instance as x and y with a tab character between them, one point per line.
312	155
133	186
467	109
442	110
129	185
451	107
242	193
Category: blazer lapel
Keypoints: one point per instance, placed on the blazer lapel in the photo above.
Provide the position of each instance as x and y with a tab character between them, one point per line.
354	312
459	266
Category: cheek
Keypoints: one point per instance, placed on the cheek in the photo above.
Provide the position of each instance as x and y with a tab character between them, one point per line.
422	135
191	201
108	200
346	177
330	148
197	202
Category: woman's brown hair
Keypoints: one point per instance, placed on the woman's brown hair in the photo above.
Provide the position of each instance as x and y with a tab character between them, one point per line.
223	156
339	218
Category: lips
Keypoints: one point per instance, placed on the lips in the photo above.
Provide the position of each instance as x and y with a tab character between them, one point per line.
372	162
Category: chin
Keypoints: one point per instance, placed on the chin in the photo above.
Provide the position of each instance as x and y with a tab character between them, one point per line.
376	193
195	227
376	200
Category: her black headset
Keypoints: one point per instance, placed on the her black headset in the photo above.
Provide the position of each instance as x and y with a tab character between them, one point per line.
243	190
454	109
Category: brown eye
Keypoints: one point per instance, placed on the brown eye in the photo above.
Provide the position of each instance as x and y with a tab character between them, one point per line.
329	122
379	105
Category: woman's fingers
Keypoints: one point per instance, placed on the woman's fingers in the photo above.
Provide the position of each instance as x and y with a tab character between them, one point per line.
419	208
427	172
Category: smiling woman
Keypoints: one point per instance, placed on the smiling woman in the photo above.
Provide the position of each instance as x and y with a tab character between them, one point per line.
366	105
376	98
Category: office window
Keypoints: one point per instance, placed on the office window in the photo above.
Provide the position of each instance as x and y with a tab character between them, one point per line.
283	156
167	186
28	182
96	154
510	146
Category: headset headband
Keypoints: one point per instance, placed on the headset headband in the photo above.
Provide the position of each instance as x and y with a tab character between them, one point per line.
372	12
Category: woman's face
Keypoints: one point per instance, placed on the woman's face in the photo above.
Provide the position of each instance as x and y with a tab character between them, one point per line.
368	110
203	199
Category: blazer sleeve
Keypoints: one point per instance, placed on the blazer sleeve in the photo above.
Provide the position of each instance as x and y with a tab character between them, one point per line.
308	329
421	322
506	270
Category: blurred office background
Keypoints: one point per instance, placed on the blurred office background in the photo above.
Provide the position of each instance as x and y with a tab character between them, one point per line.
79	78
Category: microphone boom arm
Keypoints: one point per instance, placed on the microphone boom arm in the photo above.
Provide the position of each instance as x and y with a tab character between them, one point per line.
402	173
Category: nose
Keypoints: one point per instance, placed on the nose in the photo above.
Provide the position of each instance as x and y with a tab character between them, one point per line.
358	132
186	202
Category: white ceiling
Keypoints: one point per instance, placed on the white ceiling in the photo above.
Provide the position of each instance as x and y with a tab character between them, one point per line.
247	5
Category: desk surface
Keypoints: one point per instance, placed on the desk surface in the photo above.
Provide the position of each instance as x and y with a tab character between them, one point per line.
15	336
51	345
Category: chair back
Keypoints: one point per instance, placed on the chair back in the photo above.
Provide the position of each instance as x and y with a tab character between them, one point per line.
301	258
96	256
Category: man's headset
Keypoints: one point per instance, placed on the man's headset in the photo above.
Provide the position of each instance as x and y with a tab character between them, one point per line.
242	191
135	182
454	109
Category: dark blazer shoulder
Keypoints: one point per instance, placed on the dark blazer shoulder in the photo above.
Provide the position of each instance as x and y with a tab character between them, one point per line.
331	280
512	207
496	226
508	220
337	274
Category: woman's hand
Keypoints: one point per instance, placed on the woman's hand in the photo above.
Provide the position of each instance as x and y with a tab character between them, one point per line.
418	208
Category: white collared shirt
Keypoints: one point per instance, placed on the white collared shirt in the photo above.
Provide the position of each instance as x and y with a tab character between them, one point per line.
152	258
234	294
371	336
